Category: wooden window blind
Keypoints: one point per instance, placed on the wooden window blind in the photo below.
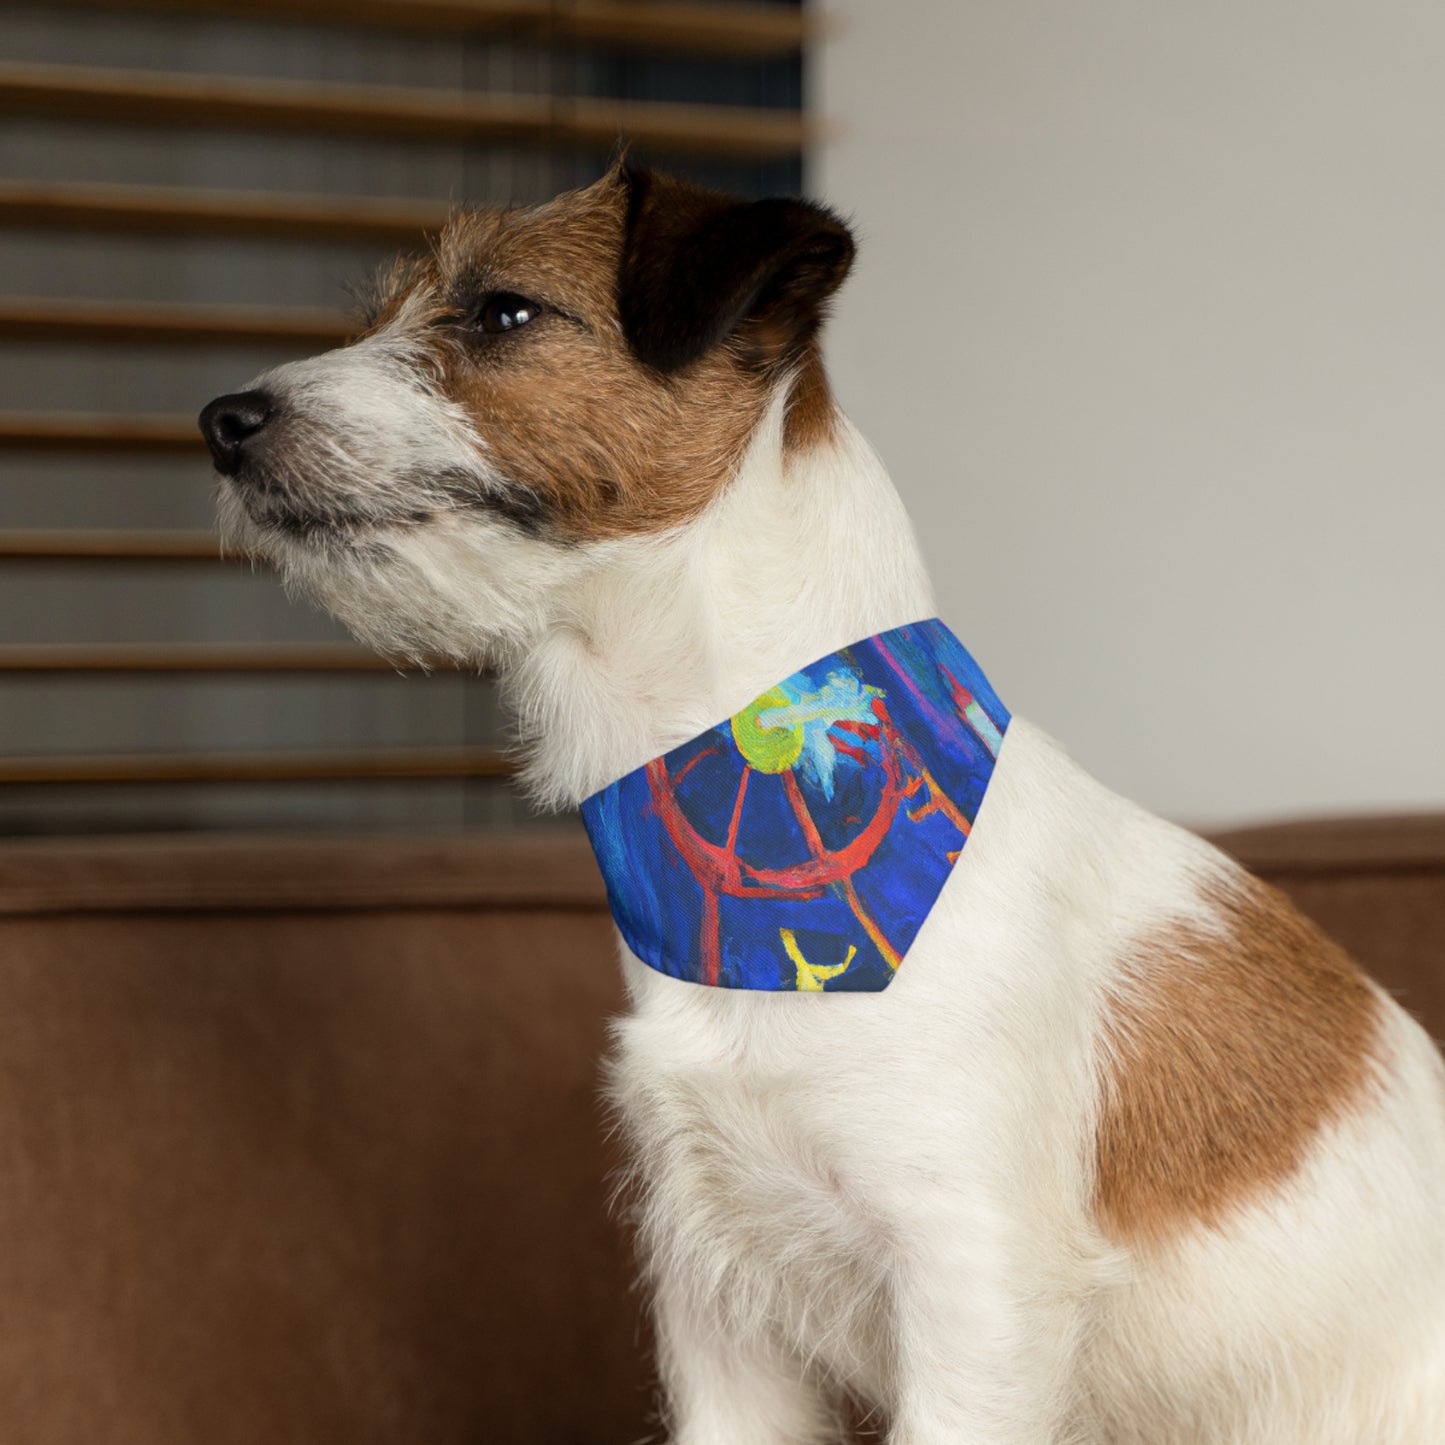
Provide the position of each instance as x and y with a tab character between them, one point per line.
186	189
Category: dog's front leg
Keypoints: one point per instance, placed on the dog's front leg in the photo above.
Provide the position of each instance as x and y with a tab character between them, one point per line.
723	1386
986	1338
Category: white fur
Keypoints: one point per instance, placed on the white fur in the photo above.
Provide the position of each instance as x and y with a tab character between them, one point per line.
889	1194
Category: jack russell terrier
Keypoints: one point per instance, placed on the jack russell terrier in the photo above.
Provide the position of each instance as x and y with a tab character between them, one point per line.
955	1084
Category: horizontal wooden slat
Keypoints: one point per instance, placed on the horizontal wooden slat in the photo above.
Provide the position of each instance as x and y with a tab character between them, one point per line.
172	210
213	102
170	323
189	657
332	765
85	431
704	29
75	544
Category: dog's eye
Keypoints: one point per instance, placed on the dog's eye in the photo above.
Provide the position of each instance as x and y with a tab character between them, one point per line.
505	311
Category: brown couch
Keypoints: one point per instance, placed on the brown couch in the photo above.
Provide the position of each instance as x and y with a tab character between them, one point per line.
300	1142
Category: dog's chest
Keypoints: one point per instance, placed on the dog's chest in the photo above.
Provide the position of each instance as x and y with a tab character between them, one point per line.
748	1162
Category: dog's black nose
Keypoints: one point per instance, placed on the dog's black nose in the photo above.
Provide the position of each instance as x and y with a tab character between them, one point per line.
229	422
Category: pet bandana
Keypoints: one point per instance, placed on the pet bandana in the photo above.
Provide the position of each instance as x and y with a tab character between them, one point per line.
800	844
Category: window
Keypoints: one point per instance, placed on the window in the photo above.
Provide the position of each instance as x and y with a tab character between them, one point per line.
188	190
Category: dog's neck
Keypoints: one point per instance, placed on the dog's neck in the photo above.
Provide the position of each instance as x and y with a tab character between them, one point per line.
805	552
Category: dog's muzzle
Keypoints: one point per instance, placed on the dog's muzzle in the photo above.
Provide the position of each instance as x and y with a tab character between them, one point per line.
231	424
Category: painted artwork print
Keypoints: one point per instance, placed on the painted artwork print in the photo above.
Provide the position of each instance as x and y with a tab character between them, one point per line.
800	844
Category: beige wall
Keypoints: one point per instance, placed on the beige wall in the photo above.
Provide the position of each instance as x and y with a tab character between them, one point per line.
1149	324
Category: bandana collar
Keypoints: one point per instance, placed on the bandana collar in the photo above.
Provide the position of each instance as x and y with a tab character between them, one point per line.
799	845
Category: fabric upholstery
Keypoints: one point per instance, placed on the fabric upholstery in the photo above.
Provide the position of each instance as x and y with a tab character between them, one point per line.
328	1171
300	1139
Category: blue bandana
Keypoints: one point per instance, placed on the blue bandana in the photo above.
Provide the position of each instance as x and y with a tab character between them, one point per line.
800	844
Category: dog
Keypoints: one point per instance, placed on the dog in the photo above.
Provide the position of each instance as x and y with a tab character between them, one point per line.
1125	1152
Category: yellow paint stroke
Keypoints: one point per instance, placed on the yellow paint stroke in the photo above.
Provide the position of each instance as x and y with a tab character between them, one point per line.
768	749
812	976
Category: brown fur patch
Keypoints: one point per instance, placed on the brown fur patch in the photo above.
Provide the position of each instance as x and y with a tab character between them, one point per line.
1226	1054
600	444
812	417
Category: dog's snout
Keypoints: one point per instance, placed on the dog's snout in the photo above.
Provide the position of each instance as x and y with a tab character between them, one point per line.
229	422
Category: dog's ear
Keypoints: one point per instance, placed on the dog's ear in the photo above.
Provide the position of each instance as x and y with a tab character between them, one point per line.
698	267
